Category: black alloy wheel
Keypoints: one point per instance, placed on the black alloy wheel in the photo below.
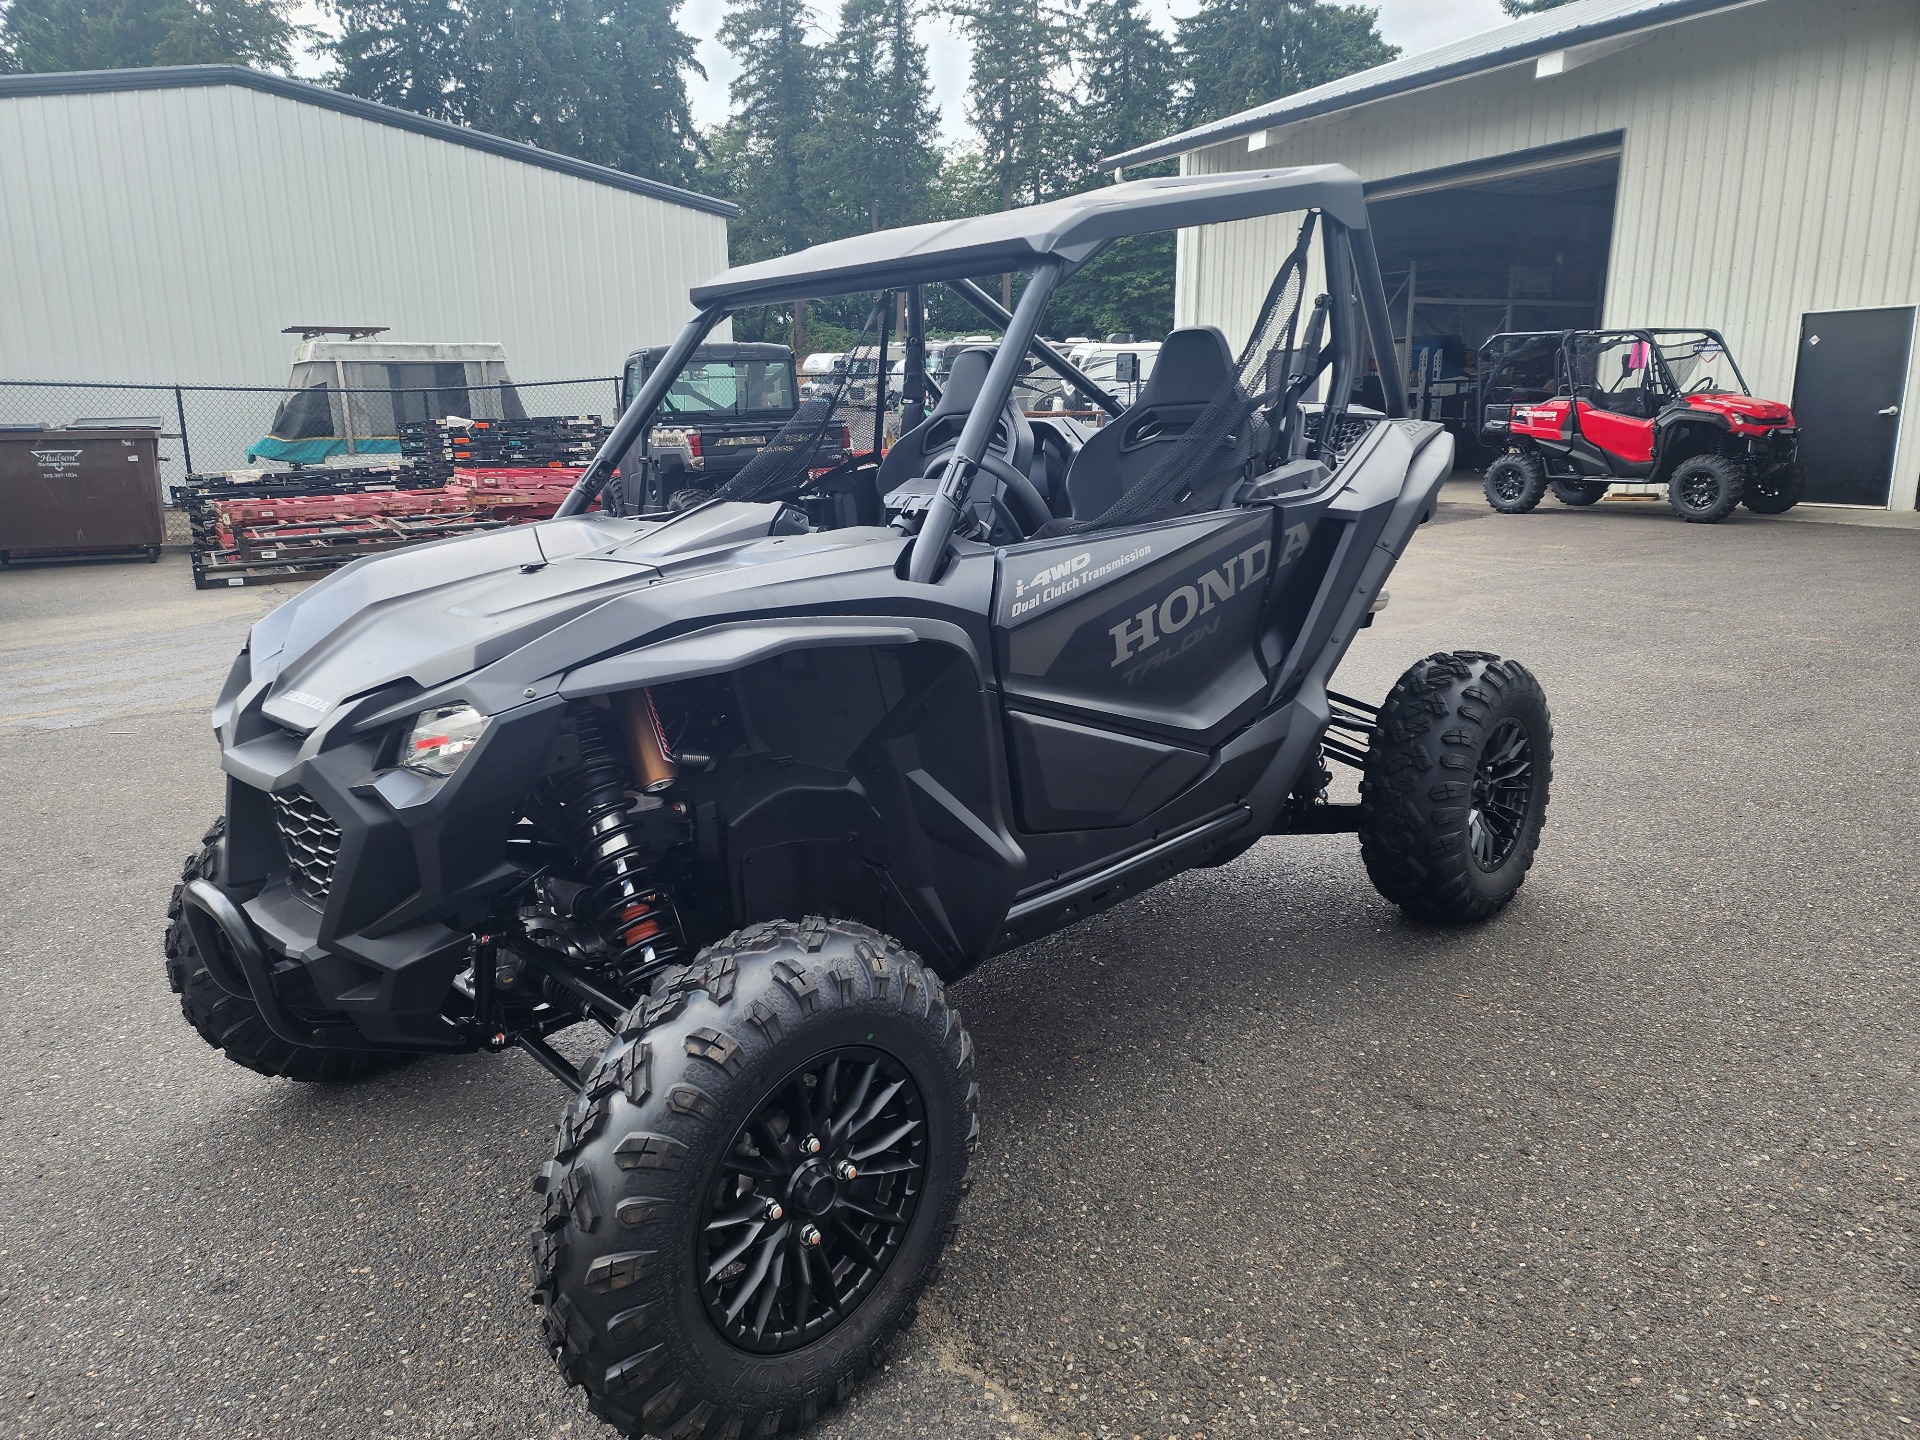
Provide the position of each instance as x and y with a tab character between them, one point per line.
1502	792
756	1181
1455	790
1706	489
812	1200
1514	483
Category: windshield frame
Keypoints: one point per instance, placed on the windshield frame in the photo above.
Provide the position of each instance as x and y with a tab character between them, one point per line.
1717	338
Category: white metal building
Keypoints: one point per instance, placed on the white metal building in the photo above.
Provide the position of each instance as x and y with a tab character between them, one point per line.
165	225
1749	166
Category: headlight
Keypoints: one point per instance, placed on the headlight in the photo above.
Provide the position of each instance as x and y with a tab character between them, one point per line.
442	738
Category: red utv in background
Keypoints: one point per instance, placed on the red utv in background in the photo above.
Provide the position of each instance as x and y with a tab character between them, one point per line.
1584	409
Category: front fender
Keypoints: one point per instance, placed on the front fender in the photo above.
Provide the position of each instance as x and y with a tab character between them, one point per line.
721	649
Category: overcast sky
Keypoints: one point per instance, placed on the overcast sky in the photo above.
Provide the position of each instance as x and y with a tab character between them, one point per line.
1413	25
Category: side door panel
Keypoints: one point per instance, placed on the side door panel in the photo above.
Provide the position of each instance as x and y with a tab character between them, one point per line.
1123	658
1623	435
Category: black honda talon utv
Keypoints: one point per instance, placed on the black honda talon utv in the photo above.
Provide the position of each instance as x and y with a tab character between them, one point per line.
746	786
1580	410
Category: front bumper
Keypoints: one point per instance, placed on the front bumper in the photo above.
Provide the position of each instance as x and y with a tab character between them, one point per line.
362	881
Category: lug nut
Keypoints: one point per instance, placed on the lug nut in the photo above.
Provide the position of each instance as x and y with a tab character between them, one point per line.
774	1210
846	1170
810	1145
810	1234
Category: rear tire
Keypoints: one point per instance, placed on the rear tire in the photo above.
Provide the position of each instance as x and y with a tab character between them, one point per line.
1455	788
693	1129
1514	483
1706	489
234	1026
1778	491
1579	492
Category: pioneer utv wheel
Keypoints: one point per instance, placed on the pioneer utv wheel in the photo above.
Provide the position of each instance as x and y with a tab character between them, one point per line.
1706	489
235	1026
1515	483
1778	491
752	1190
1579	492
1455	787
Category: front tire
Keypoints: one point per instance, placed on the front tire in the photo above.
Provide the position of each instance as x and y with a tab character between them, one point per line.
1706	489
1514	483
235	1026
1778	491
1579	492
1454	793
790	1118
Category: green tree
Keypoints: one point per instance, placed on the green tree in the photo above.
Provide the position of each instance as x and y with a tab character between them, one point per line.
1017	99
1243	53
1128	73
1518	8
601	80
402	52
48	35
770	144
877	153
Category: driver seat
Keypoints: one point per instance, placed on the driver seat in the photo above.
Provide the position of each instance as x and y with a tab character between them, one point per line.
914	451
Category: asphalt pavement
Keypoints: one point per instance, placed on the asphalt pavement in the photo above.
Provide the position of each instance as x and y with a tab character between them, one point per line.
1261	1158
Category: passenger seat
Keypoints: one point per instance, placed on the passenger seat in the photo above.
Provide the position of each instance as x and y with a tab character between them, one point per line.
1194	366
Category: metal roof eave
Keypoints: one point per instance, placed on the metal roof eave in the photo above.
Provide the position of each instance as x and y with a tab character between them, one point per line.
1069	229
1512	44
182	77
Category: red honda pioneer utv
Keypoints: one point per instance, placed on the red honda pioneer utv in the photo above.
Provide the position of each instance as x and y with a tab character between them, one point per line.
1582	409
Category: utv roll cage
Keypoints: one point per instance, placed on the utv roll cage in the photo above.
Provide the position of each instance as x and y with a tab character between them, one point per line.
1046	244
1516	347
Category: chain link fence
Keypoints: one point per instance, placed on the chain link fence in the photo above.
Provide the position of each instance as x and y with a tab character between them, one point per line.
208	429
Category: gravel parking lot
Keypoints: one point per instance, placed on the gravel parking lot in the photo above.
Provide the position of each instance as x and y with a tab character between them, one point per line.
1641	1158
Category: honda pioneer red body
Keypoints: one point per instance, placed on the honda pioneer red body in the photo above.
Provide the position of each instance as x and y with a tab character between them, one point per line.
1581	410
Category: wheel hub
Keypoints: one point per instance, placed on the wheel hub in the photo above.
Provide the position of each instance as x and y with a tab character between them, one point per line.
813	1188
1502	792
812	1201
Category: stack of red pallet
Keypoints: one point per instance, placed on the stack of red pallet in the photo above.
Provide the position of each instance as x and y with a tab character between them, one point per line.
240	540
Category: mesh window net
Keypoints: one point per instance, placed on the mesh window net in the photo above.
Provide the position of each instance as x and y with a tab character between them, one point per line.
1238	432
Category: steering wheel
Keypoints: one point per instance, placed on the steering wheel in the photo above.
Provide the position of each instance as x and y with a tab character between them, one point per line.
1703	385
1027	504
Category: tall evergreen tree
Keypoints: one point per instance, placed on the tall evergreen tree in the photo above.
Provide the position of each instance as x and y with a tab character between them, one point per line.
877	153
1129	73
602	80
46	35
1242	53
402	52
1017	97
1518	8
770	145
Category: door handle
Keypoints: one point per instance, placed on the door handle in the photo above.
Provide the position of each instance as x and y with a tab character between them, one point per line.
1891	410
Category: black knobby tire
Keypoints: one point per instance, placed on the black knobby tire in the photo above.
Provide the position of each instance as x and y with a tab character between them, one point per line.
1514	483
647	1177
1706	489
1579	492
686	498
235	1026
1778	491
1446	832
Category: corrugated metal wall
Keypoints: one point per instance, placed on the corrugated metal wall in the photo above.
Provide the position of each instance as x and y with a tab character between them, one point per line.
1770	169
169	235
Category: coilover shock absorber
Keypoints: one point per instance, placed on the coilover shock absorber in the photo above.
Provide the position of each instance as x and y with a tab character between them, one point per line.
625	901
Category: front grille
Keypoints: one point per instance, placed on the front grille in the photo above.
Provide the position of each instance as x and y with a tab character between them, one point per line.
312	842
